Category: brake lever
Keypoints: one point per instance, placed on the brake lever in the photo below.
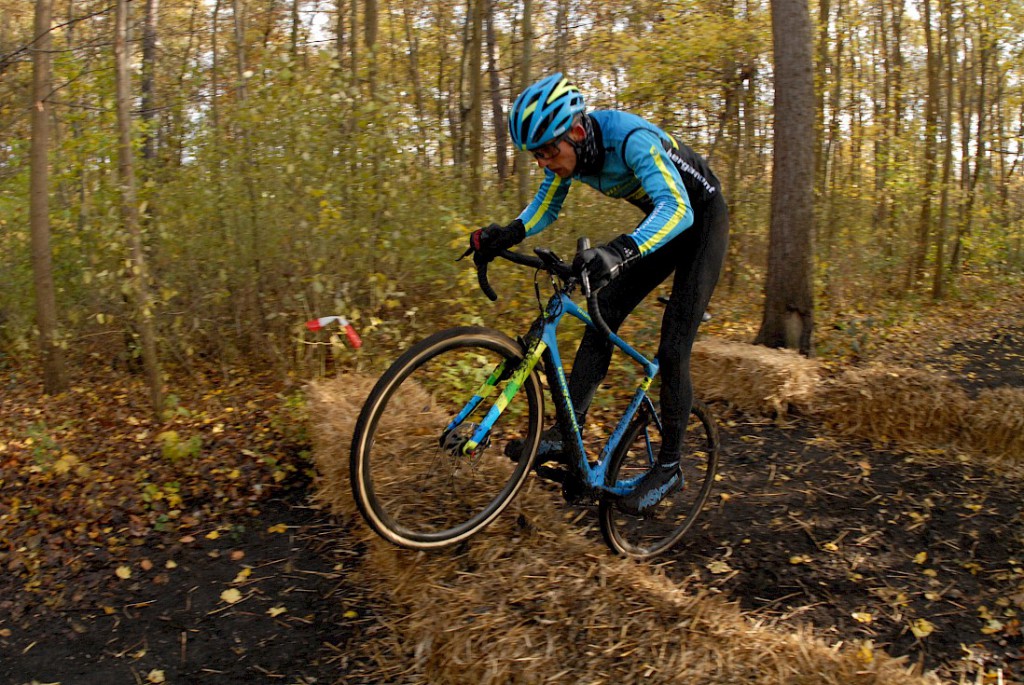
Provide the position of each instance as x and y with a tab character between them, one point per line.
593	306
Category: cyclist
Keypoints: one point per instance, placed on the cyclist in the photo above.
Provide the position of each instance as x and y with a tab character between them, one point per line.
684	229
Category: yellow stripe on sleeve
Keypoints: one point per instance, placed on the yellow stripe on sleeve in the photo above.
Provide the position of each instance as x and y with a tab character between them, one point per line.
545	204
677	216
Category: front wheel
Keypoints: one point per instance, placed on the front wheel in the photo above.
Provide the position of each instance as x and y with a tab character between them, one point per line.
411	478
658	530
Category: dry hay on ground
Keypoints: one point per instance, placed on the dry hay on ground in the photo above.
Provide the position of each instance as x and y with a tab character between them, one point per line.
753	378
888	403
995	424
531	600
878	402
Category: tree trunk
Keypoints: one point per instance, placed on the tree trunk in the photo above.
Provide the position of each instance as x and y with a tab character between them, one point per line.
237	9
55	378
789	302
938	277
215	71
148	86
525	77
414	77
370	29
476	120
931	114
561	35
497	113
339	31
130	213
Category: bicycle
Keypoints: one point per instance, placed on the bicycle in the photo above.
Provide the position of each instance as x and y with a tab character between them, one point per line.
430	460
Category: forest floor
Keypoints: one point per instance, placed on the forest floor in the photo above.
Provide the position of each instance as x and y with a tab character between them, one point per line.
190	551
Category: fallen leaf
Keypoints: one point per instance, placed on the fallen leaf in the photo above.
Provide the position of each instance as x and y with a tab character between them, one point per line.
242	575
187	539
146	565
922	627
276	611
992	626
719	567
278	528
123	572
862	617
155	676
237	555
231	595
351	614
921	557
171	563
213	535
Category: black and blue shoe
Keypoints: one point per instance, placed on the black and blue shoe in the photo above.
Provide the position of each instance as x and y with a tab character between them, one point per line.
655	485
550	448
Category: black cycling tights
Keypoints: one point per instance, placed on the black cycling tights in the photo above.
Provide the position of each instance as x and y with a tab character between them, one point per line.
696	256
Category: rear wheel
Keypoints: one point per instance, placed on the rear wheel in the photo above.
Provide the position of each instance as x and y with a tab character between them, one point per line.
411	479
658	530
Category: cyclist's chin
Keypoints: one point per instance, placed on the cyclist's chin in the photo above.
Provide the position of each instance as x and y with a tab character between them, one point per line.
561	172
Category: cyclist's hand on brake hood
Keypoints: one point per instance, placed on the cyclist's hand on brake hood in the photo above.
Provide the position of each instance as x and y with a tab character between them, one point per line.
486	243
606	262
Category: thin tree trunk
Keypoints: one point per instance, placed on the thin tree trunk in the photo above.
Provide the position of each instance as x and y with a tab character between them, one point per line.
354	45
148	86
525	77
931	113
138	275
938	277
561	35
414	76
55	378
497	113
370	28
339	31
240	58
476	121
214	72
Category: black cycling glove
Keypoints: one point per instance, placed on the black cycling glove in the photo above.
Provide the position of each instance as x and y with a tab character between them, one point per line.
486	243
606	262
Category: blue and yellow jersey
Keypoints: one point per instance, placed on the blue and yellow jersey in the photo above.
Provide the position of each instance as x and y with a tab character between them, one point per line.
640	163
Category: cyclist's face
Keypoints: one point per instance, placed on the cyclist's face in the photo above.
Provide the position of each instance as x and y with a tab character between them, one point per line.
559	157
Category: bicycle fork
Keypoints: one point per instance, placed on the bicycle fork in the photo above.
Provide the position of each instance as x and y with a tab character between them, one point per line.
516	378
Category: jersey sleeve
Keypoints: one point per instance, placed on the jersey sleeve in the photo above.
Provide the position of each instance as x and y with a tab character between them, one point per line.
672	214
546	204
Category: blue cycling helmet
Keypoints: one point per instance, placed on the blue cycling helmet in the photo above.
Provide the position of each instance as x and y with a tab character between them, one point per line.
544	111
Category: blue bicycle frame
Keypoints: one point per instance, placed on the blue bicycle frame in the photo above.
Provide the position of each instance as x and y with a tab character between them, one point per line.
542	342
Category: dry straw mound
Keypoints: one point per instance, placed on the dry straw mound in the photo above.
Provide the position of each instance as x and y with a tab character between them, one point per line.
892	404
880	403
995	424
754	378
531	600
